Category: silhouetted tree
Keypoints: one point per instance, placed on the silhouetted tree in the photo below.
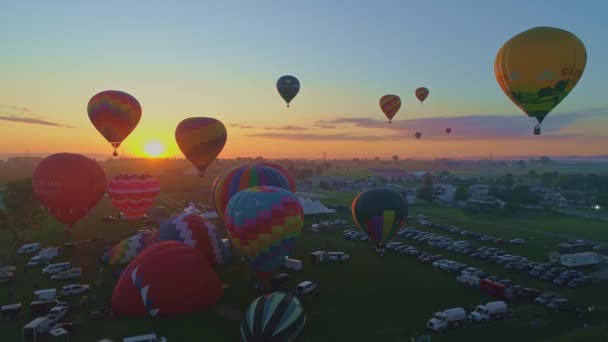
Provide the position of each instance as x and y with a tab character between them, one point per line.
22	209
462	193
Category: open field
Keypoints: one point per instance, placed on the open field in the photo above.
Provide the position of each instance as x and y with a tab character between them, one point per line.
368	298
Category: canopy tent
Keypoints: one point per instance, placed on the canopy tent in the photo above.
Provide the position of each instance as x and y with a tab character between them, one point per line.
312	207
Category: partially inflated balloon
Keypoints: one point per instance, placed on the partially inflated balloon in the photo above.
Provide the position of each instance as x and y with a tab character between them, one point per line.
127	249
286	173
418	135
263	224
390	105
422	93
240	178
288	87
539	67
273	317
115	114
133	194
379	212
69	185
448	130
201	140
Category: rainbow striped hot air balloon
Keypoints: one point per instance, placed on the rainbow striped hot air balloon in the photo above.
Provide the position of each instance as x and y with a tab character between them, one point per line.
201	140
379	212
239	178
263	224
127	249
390	105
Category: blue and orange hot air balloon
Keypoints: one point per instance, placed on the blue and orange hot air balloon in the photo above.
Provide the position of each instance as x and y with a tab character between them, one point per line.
379	212
240	178
390	105
263	224
201	140
115	114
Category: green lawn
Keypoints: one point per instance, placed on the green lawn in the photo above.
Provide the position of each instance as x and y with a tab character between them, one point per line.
368	298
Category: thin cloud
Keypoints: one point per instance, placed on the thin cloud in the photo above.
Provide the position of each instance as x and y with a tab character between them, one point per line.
26	115
319	124
241	126
287	128
323	137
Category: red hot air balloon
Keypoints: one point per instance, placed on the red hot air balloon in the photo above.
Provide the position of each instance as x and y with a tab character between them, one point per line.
292	181
167	278
201	140
448	130
422	93
69	185
418	135
390	105
133	194
115	114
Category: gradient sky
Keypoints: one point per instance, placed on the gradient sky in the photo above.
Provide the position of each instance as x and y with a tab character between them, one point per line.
222	59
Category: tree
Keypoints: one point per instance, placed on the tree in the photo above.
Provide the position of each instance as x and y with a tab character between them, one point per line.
23	211
521	164
426	191
462	193
319	170
545	161
532	174
395	158
324	185
508	180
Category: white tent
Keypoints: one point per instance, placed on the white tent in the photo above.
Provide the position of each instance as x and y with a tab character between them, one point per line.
312	207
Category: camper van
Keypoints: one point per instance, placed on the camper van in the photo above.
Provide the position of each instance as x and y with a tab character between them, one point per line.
56	268
34	330
145	338
42	295
29	248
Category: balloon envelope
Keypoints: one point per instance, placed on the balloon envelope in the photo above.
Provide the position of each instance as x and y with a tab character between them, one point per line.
285	172
448	130
422	93
288	87
133	194
69	185
263	224
390	105
197	232
240	178
201	140
127	249
273	317
167	278
539	67
418	135
378	212
115	114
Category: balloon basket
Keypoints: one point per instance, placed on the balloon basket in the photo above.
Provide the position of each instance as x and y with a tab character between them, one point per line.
537	130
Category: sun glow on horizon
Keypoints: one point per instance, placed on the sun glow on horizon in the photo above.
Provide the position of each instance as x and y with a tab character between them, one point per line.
154	148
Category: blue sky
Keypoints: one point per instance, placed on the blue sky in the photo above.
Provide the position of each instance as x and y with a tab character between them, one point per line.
223	57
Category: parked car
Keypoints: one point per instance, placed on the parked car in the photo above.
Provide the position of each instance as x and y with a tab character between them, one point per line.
517	241
560	304
69	274
545	298
57	313
73	289
548	276
527	293
56	268
306	288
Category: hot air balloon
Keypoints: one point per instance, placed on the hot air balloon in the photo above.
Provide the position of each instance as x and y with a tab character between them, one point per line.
263	224
539	67
448	130
288	87
69	185
133	194
418	135
115	114
286	173
379	212
390	105
421	94
239	178
273	317
127	249
201	140
197	232
167	278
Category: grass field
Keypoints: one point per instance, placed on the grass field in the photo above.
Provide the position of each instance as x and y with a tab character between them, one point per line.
368	298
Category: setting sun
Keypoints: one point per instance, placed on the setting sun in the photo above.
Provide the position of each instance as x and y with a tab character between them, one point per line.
154	148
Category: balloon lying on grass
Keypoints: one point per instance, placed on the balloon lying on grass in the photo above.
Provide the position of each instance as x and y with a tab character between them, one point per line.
167	278
379	212
273	317
197	232
115	114
240	178
263	224
127	249
201	140
69	185
539	67
133	194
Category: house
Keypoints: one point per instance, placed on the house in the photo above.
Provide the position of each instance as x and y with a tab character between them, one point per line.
444	192
393	175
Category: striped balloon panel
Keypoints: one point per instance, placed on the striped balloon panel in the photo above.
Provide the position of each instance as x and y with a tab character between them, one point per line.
115	114
263	224
133	194
201	140
241	178
390	105
129	248
422	93
274	317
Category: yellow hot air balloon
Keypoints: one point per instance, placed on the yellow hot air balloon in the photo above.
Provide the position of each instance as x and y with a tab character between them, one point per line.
538	68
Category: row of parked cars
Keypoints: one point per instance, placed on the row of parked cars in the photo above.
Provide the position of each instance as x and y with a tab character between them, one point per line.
560	276
436	240
423	221
355	235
